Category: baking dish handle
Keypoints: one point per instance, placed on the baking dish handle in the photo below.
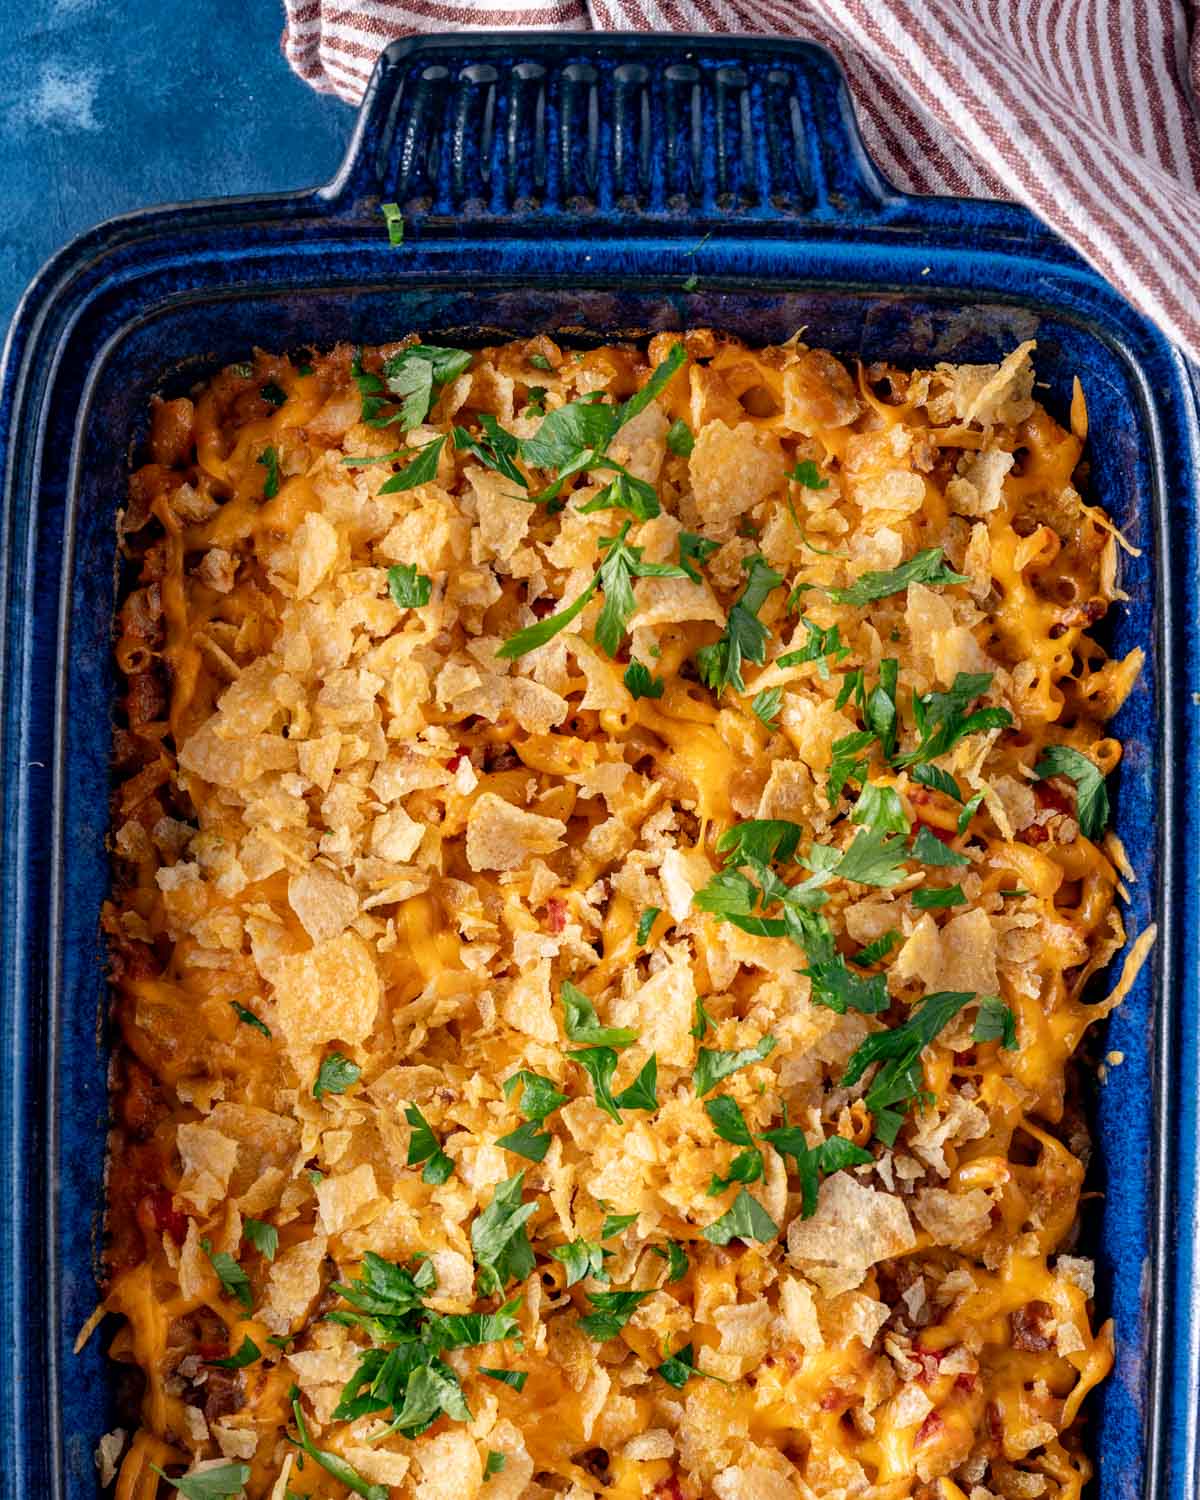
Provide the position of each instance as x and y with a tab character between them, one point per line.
659	129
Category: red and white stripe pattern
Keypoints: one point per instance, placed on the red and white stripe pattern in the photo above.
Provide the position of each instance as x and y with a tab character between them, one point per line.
1083	109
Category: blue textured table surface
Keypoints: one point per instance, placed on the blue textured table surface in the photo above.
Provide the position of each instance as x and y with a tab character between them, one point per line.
109	105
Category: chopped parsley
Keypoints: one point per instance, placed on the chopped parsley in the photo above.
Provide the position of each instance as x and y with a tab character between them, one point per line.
807	474
995	1023
540	362
759	840
581	1258
421	470
641	682
701	1026
423	1147
246	1354
1091	797
745	636
498	1237
680	439
646	924
694	549
677	1369
925	567
273	393
900	1079
930	850
614	578
615	1224
335	1075
540	1096
942	719
497	449
610	1313
815	1162
583	1025
234	1281
746	1220
527	1141
713	1065
933	899
334	1464
408	588
969	810
879	808
765	706
220	1483
880	948
824	644
264	1237
269	459
394	220
938	780
514	1378
494	1463
248	1018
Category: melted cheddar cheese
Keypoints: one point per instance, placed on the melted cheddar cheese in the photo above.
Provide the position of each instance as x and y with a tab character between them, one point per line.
360	854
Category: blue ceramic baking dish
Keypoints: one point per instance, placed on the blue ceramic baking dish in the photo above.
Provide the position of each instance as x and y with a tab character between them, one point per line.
598	187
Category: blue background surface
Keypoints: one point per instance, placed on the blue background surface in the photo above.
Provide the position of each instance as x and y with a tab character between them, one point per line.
109	105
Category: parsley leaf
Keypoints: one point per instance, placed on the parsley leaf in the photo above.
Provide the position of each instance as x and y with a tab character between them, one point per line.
580	1258
335	1075
939	780
930	850
968	812
901	1079
765	706
728	1120
677	1262
642	1093
933	899
702	1024
264	1237
583	1025
641	683
269	459
409	589
745	636
610	1313
527	1141
533	636
679	1368
925	567
942	718
498	1237
807	474
815	1162
824	643
995	1023
713	1065
540	1096
879	808
496	450
495	1463
273	393
246	1354
625	492
423	1147
1091	796
746	1220
874	858
646	924
394	220
234	1281
835	987
879	710
422	470
470	1330
615	1224
847	763
880	948
680	439
540	362
746	1166
514	1378
600	1064
248	1018
694	549
221	1483
761	840
334	1464
659	378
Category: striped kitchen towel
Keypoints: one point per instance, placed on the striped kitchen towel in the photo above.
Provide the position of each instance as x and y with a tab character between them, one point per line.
1083	109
